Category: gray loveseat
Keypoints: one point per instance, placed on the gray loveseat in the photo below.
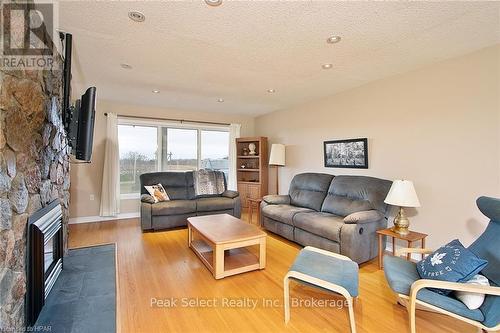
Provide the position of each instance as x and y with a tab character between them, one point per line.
339	214
183	202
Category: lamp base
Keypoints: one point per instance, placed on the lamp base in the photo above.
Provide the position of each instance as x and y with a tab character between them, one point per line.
401	223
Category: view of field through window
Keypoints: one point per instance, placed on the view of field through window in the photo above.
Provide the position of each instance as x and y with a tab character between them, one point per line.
179	151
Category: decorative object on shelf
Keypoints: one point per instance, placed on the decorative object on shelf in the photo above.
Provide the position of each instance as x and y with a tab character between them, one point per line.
277	159
402	194
352	153
251	148
253	178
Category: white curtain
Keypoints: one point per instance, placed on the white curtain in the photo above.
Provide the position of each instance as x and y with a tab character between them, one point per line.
110	193
234	133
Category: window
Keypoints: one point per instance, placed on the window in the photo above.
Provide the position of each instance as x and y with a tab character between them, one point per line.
180	149
215	151
138	155
149	147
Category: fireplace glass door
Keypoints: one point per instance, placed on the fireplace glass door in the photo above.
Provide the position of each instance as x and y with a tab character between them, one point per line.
49	253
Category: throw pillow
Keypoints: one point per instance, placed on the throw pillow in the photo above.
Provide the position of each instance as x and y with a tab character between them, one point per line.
157	192
473	300
452	262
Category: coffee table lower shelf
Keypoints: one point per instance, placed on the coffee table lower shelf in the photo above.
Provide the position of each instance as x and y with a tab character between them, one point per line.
236	261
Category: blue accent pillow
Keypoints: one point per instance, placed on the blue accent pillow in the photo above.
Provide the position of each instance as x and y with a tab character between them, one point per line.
451	262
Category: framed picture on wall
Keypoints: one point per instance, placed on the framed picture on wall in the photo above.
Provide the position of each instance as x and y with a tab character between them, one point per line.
351	153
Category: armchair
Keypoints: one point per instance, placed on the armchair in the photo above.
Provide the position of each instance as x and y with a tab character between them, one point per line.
413	291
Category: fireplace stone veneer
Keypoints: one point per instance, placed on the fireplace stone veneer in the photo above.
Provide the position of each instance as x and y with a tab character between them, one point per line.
34	170
45	257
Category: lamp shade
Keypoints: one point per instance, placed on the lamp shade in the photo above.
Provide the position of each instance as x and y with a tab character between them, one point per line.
402	194
277	154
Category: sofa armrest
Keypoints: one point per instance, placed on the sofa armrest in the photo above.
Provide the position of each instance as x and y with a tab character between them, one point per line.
147	199
365	216
277	199
146	216
230	194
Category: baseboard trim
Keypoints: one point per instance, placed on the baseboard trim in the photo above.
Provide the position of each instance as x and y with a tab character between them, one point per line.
92	219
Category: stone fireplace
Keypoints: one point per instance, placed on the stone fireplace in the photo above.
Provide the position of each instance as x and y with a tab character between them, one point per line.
34	171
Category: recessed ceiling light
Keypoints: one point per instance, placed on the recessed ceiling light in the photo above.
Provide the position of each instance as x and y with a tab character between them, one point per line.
326	66
220	100
125	66
271	91
155	91
333	39
136	16
213	3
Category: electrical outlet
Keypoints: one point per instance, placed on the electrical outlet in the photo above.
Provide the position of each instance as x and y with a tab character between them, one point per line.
91	197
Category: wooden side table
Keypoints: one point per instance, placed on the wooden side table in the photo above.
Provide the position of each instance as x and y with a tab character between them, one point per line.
410	238
253	203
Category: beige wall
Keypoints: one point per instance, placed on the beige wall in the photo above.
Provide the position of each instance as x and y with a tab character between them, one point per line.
438	126
86	178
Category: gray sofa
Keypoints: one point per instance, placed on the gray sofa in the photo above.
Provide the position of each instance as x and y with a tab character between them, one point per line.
183	202
340	214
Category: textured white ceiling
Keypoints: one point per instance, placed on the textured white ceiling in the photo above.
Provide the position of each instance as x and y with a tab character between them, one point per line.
195	54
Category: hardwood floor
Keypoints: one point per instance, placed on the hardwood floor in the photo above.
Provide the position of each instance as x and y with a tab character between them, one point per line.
160	266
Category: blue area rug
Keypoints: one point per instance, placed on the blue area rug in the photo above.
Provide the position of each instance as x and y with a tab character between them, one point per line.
83	298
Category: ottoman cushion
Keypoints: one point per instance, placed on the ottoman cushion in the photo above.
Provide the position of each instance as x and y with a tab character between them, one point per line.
341	272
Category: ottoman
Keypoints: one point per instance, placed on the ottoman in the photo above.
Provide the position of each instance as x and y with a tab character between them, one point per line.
325	270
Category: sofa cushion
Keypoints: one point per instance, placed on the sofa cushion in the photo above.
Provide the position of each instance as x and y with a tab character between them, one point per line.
214	203
309	189
321	224
307	239
175	183
350	194
283	213
174	207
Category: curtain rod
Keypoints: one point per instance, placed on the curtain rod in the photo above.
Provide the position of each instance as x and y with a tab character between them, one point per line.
173	119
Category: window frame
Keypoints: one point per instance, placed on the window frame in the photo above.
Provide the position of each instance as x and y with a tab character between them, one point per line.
159	124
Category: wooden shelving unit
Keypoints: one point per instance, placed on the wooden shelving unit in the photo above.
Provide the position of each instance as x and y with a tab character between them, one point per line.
252	170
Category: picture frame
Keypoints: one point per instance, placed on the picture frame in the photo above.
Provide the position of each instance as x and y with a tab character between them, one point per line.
349	153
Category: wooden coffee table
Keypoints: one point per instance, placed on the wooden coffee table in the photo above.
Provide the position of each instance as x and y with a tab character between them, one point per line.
221	241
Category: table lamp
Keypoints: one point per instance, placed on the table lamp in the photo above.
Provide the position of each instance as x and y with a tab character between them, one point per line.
277	159
402	194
